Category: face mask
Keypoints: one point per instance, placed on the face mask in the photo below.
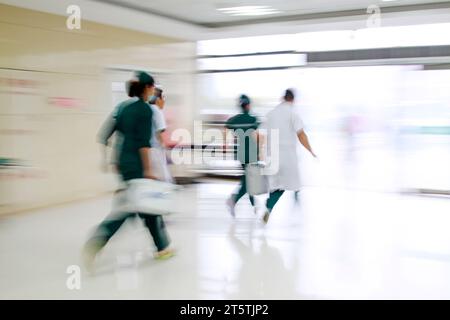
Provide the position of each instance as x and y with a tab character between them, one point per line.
152	99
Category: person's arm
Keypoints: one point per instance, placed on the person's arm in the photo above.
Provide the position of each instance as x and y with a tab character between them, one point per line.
159	122
227	132
303	138
161	139
256	136
146	163
107	130
298	126
261	145
225	141
104	158
261	139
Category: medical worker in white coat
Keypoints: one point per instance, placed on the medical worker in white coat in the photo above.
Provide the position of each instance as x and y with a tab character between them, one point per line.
158	151
284	121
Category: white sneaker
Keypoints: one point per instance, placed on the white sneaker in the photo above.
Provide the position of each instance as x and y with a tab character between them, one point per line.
231	204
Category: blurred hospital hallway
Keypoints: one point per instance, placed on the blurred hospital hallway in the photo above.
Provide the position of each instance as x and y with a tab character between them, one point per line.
371	83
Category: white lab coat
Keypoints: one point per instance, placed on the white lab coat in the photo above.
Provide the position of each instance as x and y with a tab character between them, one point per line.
158	152
285	120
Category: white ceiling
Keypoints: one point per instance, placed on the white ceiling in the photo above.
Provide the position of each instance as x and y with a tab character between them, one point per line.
205	11
199	20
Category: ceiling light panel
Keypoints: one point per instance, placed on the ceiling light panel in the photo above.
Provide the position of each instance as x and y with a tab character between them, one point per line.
249	10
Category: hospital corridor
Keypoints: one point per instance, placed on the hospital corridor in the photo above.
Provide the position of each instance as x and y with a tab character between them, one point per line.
224	150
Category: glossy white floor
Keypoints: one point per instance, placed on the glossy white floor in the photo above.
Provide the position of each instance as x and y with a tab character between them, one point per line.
334	243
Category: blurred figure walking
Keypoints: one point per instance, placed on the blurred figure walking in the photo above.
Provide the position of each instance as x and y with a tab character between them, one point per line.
133	120
244	127
286	121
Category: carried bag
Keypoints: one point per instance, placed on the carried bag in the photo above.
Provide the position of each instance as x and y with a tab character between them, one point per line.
257	182
147	196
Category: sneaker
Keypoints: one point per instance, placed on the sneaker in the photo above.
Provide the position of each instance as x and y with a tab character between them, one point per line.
231	205
266	216
89	254
88	263
164	254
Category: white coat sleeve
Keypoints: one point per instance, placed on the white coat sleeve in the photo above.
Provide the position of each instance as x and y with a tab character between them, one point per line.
158	119
297	122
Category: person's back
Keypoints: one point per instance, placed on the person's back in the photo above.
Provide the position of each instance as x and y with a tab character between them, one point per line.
282	119
134	123
244	126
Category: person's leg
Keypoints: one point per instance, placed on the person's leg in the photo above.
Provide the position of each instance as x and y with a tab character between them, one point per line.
252	200
273	199
271	202
108	228
235	197
241	191
296	196
102	234
157	228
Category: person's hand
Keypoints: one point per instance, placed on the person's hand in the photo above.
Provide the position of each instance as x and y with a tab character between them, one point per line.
149	175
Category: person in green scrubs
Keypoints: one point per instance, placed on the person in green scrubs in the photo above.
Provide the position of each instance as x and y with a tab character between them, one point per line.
132	119
244	127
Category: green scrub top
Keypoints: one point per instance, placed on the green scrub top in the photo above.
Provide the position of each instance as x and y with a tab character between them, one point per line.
243	125
133	120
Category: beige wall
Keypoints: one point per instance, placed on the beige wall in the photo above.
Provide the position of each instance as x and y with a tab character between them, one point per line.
55	91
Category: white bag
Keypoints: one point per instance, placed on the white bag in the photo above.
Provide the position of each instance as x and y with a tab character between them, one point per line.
257	182
147	196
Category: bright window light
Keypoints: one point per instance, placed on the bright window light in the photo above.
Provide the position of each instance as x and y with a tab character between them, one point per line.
367	38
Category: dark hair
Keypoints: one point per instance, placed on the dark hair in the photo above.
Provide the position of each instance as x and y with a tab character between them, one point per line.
135	88
244	101
289	95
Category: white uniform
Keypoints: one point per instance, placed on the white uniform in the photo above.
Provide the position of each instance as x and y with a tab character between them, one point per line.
158	153
285	119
